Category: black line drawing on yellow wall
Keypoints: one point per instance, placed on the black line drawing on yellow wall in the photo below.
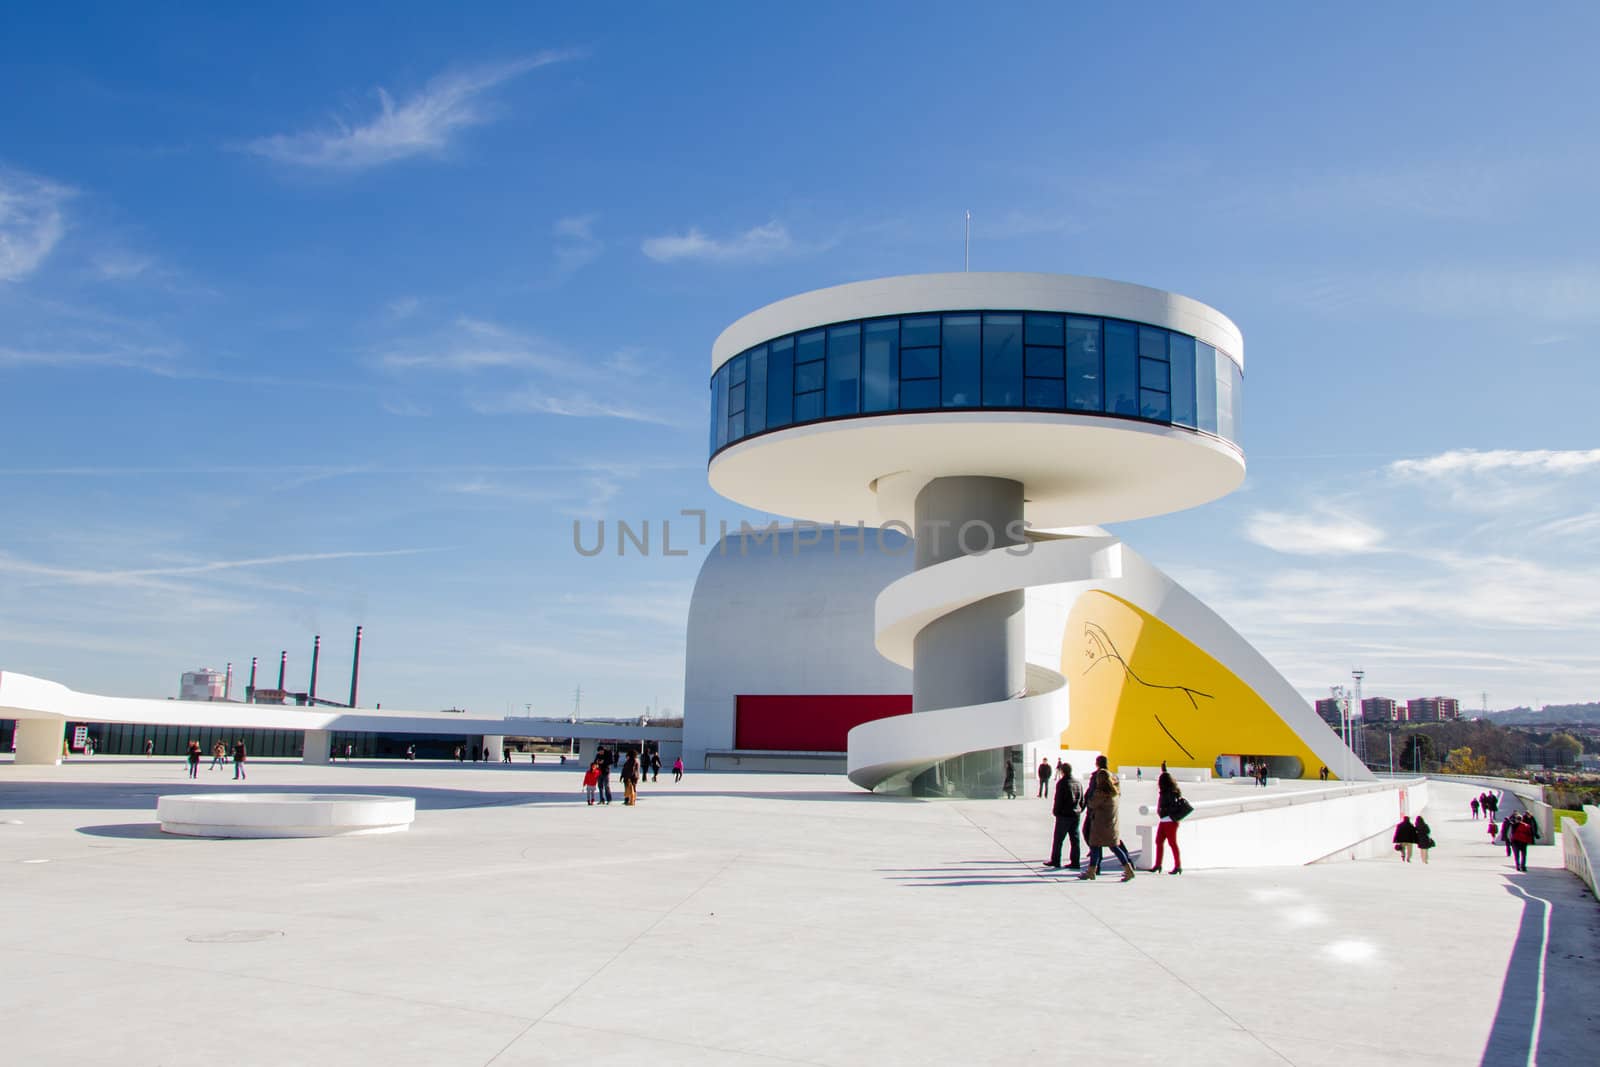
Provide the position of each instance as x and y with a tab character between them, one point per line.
1099	648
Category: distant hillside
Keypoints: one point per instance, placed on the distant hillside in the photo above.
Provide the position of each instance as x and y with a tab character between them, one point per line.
1588	714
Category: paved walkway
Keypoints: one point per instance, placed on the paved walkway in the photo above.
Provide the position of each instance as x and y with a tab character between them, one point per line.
746	919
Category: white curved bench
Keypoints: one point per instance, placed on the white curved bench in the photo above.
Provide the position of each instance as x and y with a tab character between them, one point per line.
283	814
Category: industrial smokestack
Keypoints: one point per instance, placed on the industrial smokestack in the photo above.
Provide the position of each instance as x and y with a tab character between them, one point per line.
283	665
250	690
227	683
355	668
316	654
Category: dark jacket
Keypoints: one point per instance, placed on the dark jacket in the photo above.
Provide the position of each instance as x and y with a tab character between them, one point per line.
1166	805
1405	833
1424	833
1069	798
239	753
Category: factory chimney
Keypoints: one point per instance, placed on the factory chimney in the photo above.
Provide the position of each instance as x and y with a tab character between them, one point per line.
355	668
316	654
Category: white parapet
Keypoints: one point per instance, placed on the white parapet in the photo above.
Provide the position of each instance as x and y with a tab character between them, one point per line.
283	814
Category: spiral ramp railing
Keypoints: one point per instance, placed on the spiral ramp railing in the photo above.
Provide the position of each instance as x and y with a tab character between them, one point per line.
905	745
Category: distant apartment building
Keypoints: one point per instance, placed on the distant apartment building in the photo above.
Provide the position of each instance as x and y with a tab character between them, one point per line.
1329	711
203	684
1380	709
1433	709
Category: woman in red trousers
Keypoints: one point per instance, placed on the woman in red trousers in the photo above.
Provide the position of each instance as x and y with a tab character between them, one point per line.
1167	798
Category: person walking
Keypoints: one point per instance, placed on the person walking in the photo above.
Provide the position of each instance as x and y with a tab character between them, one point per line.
1068	803
1474	809
219	757
1524	832
1100	801
603	758
1044	776
1505	833
591	778
461	755
1405	837
194	759
630	780
1168	810
149	748
1010	784
1424	836
677	769
239	756
655	767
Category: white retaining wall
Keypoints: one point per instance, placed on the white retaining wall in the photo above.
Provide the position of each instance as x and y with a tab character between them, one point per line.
1291	829
1580	846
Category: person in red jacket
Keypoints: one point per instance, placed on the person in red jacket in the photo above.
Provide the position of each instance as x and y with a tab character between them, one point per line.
591	779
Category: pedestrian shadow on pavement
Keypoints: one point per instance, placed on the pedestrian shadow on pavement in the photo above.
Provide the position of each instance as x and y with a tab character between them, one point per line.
960	873
1546	1012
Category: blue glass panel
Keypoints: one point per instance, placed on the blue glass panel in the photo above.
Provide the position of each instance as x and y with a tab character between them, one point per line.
735	426
1205	387
1153	375
721	411
919	332
919	362
1236	381
755	404
711	439
880	365
1152	343
1084	378
810	346
780	383
1042	362
1002	361
735	399
1225	405
844	369
1122	389
961	365
737	363
807	406
807	378
1155	404
1182	350
919	395
1045	330
1046	393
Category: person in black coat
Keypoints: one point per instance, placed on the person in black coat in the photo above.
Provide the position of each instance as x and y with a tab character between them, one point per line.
1009	786
1066	808
1405	837
1044	777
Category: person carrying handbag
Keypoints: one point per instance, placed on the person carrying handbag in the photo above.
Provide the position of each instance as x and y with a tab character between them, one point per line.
1171	807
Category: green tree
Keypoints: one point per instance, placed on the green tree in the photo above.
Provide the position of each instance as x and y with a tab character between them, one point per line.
1565	748
1417	752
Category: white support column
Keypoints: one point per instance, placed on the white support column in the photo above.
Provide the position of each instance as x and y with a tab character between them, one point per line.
39	742
318	744
495	748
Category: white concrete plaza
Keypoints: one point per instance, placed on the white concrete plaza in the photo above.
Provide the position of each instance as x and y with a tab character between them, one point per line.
746	919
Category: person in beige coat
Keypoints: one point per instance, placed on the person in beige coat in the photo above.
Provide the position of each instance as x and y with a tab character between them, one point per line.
1100	824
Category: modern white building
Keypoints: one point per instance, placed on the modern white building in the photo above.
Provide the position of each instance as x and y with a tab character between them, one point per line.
978	413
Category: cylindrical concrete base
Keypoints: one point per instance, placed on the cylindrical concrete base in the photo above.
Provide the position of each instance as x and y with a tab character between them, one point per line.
973	655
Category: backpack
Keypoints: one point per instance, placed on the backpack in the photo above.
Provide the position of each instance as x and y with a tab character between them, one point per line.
1522	834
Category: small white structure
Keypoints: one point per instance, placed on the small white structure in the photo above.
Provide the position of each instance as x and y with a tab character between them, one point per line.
284	814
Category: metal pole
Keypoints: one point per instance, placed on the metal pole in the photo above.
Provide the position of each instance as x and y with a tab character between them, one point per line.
966	246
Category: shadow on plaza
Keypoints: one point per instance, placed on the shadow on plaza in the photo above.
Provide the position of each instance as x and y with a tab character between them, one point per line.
962	873
1564	967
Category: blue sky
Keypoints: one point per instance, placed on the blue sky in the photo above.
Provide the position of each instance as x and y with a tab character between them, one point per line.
310	319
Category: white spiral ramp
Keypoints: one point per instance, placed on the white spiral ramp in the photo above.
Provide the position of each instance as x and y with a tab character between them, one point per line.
902	746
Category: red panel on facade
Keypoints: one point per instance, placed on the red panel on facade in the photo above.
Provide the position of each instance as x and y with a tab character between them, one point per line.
809	723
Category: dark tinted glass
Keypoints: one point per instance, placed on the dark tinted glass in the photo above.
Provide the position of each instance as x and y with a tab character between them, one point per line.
1153	375
919	332
808	406
810	346
735	399
719	417
1152	343
919	395
1044	330
1044	393
1084	378
880	365
1154	404
919	363
1122	388
755	404
807	377
780	382
1043	362
1182	352
844	370
962	370
737	363
1002	361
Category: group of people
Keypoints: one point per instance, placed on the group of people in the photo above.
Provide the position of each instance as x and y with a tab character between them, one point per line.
1486	803
1517	831
1097	807
219	758
635	770
1413	834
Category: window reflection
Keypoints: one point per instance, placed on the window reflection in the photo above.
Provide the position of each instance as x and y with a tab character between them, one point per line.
1002	361
1122	389
960	367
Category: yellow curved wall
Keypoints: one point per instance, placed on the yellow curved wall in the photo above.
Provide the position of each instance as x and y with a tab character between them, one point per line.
1142	693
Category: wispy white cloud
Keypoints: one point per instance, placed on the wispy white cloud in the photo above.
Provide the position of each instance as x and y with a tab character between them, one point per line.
423	124
471	345
753	245
31	222
409	409
140	575
535	400
403	307
120	265
1469	461
1318	533
576	243
154	360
